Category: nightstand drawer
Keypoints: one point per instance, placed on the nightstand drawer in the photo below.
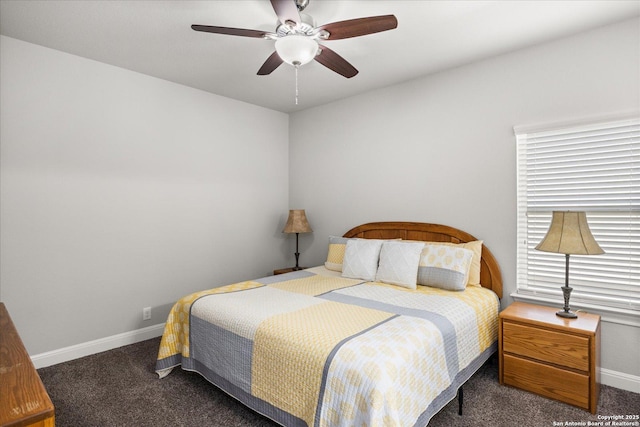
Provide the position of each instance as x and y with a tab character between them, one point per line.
559	384
558	348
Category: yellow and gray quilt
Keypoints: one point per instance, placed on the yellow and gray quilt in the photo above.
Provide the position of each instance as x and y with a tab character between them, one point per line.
311	350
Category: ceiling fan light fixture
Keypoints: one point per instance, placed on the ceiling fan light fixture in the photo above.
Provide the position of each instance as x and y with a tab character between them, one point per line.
296	49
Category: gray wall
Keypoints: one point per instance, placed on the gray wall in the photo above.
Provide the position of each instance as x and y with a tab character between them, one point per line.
121	191
441	148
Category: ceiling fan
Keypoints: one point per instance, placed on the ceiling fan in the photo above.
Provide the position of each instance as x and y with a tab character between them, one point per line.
297	38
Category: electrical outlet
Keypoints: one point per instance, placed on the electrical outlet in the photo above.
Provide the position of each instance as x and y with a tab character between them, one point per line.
146	313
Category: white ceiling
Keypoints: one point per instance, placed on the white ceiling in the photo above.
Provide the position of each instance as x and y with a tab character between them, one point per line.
155	38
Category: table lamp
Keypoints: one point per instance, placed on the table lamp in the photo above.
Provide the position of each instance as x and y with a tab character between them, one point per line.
569	234
297	223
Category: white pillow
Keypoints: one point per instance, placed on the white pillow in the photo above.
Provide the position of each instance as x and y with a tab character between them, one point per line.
399	263
361	259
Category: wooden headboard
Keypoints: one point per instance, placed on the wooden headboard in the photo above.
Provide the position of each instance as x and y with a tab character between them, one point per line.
490	276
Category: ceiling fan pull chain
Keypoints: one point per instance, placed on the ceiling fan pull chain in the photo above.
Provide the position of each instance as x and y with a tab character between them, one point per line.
296	67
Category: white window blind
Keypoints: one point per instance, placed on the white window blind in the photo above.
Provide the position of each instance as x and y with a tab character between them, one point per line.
593	168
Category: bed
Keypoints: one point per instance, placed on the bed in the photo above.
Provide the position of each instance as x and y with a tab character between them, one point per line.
368	338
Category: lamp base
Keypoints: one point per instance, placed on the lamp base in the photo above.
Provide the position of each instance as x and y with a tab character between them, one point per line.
566	293
566	314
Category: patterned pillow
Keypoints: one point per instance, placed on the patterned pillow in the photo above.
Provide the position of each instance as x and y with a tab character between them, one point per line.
474	246
336	253
445	266
361	259
399	263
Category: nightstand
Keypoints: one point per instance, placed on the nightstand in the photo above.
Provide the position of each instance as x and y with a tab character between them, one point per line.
285	270
549	355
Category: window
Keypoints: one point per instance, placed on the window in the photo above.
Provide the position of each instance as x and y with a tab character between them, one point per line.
593	168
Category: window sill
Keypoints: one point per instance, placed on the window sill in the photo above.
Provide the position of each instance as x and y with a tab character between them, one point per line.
607	314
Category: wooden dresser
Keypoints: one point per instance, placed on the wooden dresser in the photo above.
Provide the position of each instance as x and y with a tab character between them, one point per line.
24	402
549	355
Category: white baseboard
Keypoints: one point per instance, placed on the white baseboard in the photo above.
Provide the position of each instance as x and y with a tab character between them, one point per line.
620	380
607	376
92	347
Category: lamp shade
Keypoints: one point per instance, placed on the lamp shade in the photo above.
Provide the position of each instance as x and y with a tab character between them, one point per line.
569	233
297	222
296	49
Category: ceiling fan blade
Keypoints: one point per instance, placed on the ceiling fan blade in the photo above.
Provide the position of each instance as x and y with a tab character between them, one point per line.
335	62
270	64
230	31
359	27
287	11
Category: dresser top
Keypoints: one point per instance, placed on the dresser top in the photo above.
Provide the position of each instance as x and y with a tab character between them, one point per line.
546	316
23	398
